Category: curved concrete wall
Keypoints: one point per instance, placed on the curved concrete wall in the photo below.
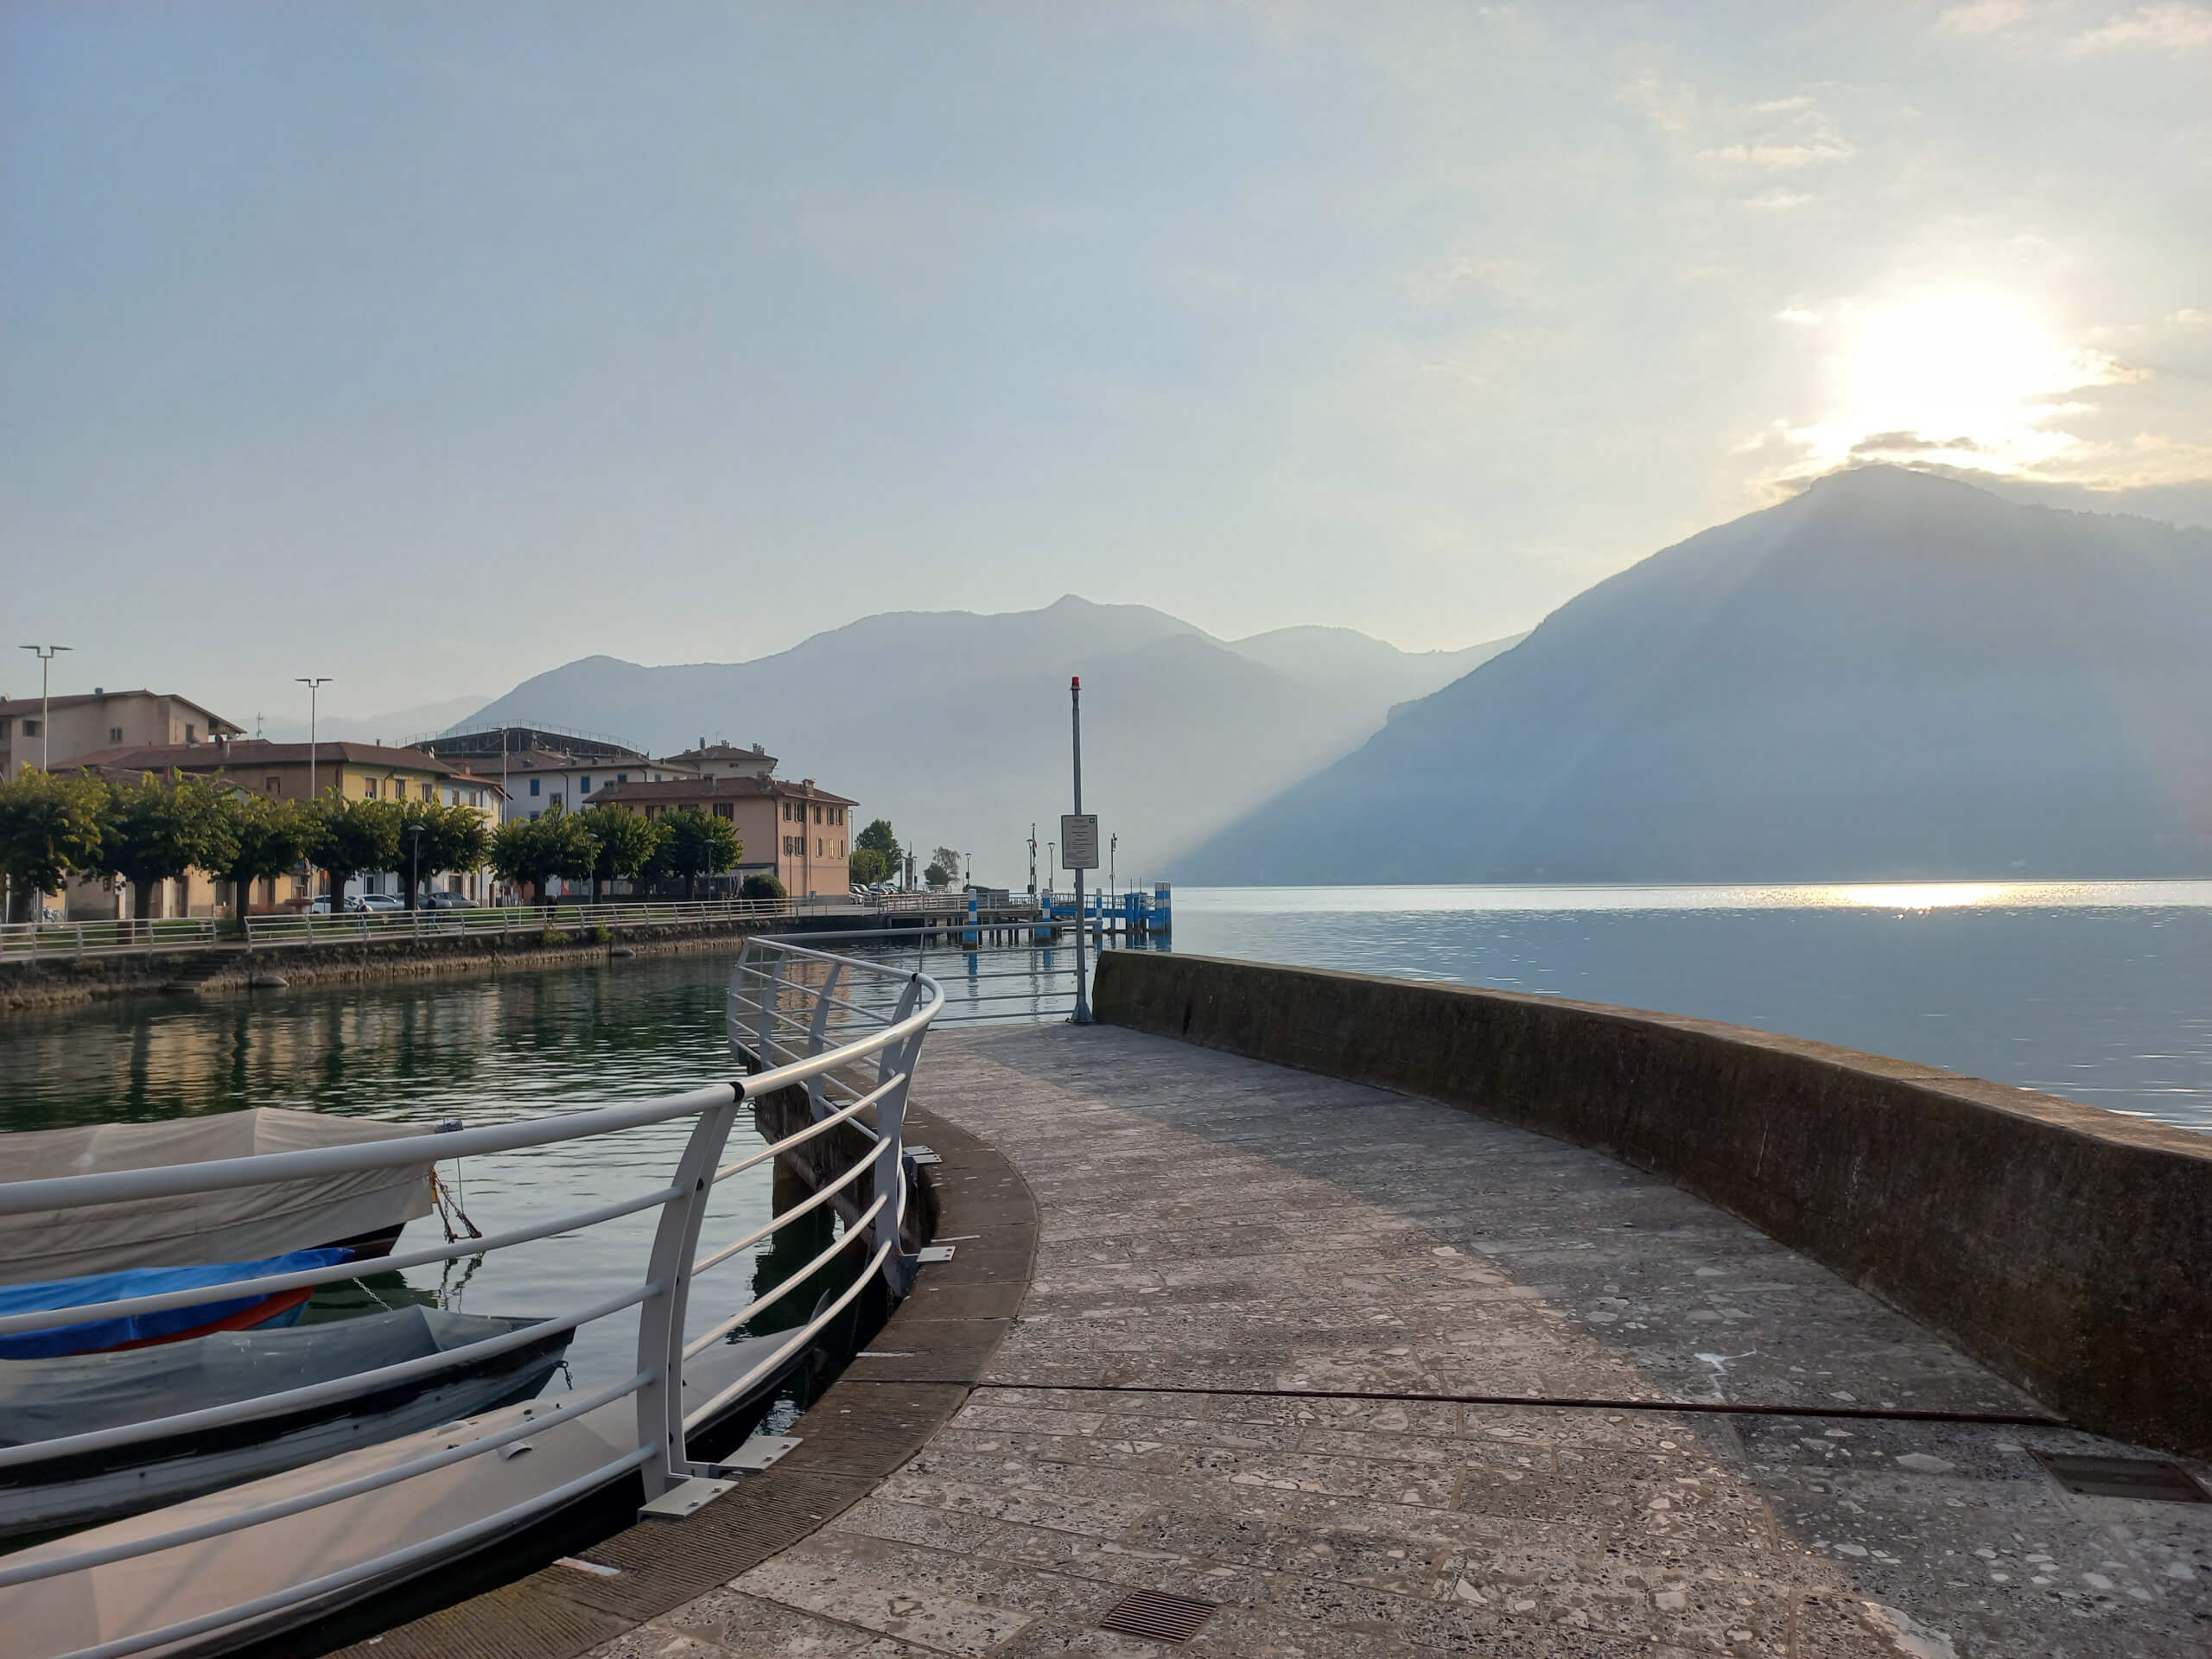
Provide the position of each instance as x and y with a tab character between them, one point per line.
2067	1247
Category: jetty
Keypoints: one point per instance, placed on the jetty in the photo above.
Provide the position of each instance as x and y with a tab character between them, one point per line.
1284	1312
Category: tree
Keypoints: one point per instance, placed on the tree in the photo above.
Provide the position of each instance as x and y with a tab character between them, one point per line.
936	875
623	845
878	839
268	836
530	852
946	860
50	830
155	830
450	838
760	885
695	843
353	838
868	866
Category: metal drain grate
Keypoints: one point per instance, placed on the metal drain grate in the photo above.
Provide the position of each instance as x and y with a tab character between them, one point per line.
1161	1617
2142	1477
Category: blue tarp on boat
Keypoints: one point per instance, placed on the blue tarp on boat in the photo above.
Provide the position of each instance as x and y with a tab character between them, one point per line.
96	1334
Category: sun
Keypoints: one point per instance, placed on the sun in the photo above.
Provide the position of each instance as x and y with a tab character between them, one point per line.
1971	377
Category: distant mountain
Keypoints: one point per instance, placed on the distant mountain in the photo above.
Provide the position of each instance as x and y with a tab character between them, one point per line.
955	725
396	727
1358	667
1889	676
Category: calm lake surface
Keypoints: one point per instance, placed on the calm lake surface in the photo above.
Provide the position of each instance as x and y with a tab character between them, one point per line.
2095	991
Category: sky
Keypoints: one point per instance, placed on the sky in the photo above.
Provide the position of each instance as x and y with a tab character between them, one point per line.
427	347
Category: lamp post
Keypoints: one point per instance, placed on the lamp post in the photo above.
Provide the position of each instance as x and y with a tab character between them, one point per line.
1112	842
414	833
45	654
313	686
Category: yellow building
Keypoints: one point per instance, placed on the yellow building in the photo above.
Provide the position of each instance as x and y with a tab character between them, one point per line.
353	770
796	832
59	733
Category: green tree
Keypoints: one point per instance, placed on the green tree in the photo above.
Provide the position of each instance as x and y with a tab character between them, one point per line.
695	843
944	868
623	845
878	839
267	835
434	838
868	865
355	838
50	830
155	830
530	852
760	885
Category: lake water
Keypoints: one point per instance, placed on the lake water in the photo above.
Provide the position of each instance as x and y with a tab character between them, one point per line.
2093	990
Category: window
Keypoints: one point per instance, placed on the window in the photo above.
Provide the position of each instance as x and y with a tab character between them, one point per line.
817	846
533	790
30	728
533	817
273	786
115	733
368	789
622	777
587	784
721	809
191	735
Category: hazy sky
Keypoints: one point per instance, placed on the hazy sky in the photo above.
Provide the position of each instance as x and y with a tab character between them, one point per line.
428	347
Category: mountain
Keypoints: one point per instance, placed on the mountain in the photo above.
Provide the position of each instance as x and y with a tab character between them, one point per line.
396	727
1359	667
955	725
1889	676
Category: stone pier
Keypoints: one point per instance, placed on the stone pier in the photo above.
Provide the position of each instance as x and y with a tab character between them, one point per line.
1350	1371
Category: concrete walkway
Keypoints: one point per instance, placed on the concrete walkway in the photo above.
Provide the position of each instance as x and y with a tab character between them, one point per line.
1225	1243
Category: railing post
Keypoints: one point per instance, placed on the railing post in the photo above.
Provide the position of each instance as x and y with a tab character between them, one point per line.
817	1036
769	997
660	1316
899	1267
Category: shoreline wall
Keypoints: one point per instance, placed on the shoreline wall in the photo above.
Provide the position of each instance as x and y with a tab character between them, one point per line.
2063	1246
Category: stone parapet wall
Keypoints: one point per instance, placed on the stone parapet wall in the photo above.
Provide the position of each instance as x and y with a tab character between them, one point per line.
2063	1246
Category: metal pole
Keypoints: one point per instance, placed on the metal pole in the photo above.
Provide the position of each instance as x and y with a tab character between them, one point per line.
46	655
313	686
1082	1016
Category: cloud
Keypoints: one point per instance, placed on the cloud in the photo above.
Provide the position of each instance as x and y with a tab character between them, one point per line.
2190	317
1798	317
1797	133
2171	27
1982	17
1908	443
1776	201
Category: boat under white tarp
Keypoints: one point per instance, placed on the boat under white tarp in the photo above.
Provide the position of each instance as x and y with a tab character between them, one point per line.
242	1225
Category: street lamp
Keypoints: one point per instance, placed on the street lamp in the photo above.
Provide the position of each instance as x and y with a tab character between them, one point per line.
414	834
46	655
313	686
1112	842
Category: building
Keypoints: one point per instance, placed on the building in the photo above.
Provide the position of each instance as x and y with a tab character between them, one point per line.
723	760
797	833
369	771
59	732
542	765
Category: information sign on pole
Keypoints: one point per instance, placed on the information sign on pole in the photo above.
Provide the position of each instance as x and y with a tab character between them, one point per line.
1078	841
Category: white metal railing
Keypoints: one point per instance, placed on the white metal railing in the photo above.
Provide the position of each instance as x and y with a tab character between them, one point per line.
58	939
859	1054
90	939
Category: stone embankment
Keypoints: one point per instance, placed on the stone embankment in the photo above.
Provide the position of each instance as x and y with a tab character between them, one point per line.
58	980
2061	1245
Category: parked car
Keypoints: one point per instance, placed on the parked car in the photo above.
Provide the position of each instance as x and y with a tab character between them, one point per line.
442	902
374	902
320	907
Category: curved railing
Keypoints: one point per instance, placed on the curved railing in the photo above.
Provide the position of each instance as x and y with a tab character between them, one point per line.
854	1054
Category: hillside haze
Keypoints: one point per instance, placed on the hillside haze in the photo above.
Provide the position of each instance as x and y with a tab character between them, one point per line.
955	724
1889	676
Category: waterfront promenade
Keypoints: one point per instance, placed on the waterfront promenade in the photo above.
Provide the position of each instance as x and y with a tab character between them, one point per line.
1245	1276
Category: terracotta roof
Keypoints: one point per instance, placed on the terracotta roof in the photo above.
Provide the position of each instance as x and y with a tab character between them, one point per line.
723	752
249	752
12	706
717	789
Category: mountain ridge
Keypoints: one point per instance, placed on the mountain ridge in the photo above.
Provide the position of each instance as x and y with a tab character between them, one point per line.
1891	674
